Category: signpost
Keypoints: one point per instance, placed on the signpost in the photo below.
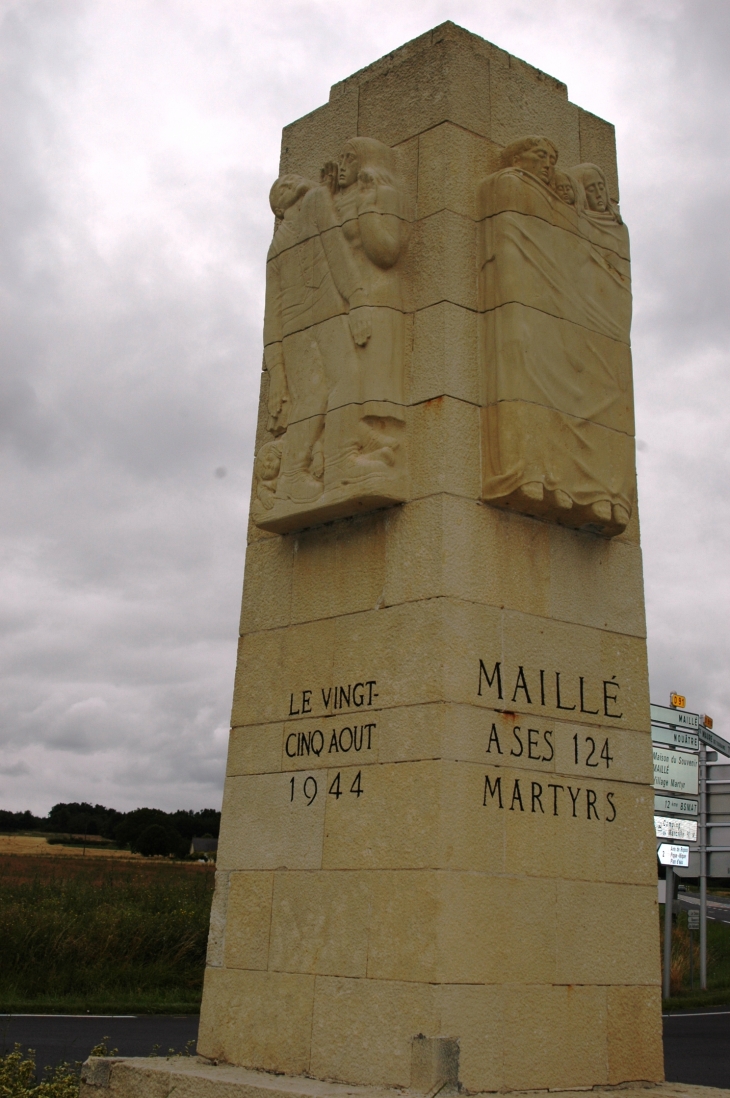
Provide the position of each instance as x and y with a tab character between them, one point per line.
668	828
675	771
675	718
693	923
671	854
682	806
676	774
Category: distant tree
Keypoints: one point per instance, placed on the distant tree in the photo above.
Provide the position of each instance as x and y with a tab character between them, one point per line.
158	839
19	821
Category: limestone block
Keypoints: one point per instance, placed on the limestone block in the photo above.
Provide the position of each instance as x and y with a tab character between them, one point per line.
256	749
612	666
449	158
631	845
333	739
449	428
339	568
218	913
391	824
320	923
434	1063
468	733
268	823
262	1019
407	157
635	1049
362	1029
596	582
476	1013
598	146
248	920
445	81
444	354
267	587
308	143
597	921
423	919
442	259
536	1053
525	100
304	651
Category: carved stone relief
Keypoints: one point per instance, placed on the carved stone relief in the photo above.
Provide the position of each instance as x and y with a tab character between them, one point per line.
555	360
334	343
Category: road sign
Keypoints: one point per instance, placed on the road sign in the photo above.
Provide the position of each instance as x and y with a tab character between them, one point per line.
682	806
675	737
668	828
675	771
693	918
676	718
677	701
716	742
671	854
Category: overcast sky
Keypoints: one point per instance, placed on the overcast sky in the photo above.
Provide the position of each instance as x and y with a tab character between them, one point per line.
138	142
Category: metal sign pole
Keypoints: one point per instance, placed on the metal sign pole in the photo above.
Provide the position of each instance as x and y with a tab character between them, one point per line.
668	905
703	867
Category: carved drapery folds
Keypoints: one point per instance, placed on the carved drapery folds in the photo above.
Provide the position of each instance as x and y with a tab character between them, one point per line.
334	343
555	361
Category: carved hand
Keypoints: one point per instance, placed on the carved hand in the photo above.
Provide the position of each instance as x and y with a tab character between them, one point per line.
360	324
329	175
278	392
367	189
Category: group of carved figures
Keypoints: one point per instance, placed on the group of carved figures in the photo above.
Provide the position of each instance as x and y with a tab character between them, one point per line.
334	329
554	301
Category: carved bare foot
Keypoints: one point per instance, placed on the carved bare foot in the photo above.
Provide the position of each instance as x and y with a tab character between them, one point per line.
299	487
601	511
563	500
620	516
532	491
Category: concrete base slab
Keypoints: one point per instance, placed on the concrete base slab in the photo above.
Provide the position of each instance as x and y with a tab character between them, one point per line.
195	1077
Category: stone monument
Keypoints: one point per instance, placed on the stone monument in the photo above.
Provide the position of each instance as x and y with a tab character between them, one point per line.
437	859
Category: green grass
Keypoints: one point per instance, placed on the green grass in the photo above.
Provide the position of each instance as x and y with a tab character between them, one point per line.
718	965
101	935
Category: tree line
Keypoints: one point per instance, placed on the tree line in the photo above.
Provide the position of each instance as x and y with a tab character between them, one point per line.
146	831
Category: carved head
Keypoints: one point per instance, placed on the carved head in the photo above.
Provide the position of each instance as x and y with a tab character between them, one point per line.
596	193
595	198
286	191
536	155
366	154
268	461
564	187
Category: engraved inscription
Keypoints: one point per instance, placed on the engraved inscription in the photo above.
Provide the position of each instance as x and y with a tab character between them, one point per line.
351	695
547	689
549	798
310	787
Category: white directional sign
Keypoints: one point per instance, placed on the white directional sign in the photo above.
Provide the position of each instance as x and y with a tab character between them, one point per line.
670	854
676	718
675	737
715	742
683	806
693	918
675	771
668	828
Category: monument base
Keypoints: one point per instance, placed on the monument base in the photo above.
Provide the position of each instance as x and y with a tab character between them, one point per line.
195	1077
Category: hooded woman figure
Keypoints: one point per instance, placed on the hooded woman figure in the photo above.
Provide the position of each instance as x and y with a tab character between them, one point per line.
367	387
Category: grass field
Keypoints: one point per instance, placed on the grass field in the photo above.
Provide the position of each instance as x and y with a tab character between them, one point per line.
718	964
110	934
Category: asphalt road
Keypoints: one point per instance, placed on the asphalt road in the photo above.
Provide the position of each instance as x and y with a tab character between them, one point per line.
69	1037
697	1047
696	1043
717	909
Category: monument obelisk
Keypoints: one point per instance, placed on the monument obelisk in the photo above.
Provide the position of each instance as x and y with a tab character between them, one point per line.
437	832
